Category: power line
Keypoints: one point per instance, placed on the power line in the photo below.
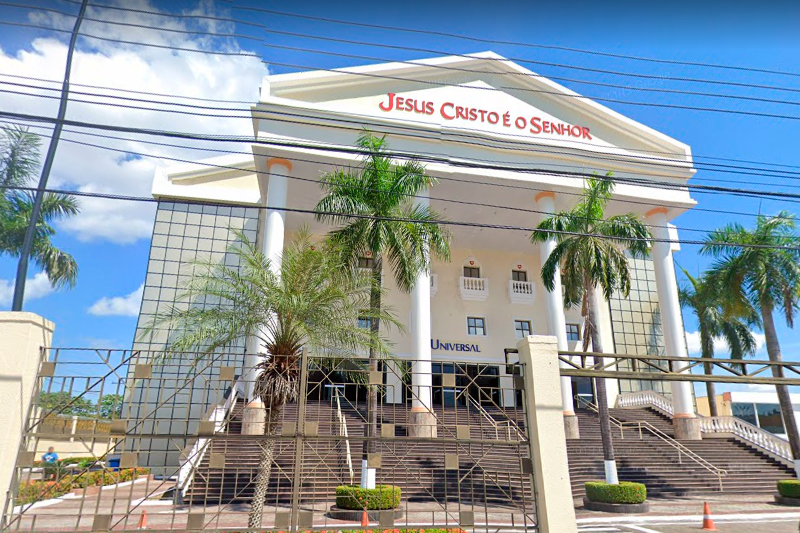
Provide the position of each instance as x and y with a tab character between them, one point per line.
782	174
406	48
526	89
516	43
695	156
398	219
451	35
398	155
316	181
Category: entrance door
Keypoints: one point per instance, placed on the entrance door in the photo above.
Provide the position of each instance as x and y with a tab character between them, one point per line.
483	384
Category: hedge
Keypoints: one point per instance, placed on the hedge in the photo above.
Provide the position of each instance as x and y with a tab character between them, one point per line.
789	488
33	491
381	497
625	492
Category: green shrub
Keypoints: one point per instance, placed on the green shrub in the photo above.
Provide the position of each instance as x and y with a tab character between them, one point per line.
789	488
381	497
625	492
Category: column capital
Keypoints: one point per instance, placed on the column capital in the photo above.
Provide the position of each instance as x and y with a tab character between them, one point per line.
278	161
544	194
656	211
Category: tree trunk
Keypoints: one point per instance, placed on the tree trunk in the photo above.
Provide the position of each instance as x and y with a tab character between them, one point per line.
707	352
784	400
371	428
711	392
602	396
271	428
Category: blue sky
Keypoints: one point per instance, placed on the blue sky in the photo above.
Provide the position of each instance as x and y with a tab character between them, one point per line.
111	242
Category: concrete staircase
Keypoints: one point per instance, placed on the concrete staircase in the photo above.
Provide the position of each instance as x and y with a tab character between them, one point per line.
655	463
487	473
417	467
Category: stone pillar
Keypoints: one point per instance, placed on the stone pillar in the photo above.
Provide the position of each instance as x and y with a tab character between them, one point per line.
421	420
539	357
22	335
556	322
687	426
272	237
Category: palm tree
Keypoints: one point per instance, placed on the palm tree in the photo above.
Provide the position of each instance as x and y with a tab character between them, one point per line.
377	218
313	304
761	269
591	251
19	162
706	301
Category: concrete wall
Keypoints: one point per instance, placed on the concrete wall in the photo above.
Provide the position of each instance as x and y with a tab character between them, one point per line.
22	335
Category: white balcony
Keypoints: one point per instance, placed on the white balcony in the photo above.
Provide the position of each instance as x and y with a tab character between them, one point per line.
473	288
434	285
521	292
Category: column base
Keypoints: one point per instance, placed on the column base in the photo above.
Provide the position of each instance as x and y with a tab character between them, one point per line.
253	418
422	423
571	430
687	428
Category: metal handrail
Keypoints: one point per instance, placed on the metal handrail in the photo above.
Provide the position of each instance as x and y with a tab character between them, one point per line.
510	426
343	433
217	414
681	449
744	431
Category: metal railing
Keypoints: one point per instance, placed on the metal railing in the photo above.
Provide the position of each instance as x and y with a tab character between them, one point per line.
508	428
683	451
342	430
192	457
740	429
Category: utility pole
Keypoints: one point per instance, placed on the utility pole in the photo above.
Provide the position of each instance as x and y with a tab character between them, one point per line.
27	244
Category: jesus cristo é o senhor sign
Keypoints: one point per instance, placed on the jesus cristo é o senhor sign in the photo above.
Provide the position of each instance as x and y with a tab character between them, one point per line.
452	111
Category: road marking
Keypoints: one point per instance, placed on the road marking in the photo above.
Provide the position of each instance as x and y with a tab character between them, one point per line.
679	519
641	529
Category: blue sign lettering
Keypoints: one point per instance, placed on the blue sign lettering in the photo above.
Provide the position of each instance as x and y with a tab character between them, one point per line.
436	344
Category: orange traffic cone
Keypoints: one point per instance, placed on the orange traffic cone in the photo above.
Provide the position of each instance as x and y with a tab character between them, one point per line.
142	520
364	519
708	522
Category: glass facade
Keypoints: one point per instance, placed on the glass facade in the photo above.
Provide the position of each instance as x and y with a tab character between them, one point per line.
636	321
182	233
767	416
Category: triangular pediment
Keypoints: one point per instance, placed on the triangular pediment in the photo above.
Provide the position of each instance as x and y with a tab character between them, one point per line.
480	93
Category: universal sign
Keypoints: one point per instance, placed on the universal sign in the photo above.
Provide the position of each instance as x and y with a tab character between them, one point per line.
436	344
452	111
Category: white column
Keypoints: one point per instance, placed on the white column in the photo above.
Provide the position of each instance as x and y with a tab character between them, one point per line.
272	234
421	422
557	324
421	380
671	322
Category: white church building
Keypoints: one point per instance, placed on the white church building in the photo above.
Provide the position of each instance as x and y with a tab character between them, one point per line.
507	146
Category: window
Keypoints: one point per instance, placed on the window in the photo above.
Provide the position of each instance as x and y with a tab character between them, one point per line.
364	322
472	272
769	417
366	262
573	332
519	275
522	328
476	326
744	411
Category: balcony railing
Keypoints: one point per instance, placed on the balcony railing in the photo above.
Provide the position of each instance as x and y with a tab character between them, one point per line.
473	288
521	292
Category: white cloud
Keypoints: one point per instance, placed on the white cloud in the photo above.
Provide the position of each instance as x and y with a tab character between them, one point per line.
127	305
122	66
36	287
720	345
